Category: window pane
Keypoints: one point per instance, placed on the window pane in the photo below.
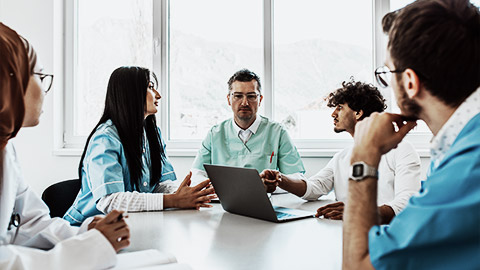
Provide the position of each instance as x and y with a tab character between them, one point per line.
110	34
209	41
317	45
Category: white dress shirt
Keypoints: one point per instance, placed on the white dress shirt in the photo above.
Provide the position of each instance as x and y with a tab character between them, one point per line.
398	171
245	134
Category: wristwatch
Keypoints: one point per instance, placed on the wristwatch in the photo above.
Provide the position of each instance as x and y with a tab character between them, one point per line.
360	170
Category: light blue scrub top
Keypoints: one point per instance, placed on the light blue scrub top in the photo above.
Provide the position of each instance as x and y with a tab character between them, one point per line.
105	171
222	146
440	227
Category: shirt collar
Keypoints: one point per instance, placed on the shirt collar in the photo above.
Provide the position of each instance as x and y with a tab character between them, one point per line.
445	137
253	127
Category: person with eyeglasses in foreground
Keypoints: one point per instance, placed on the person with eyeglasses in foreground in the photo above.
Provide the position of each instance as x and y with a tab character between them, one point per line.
248	139
399	169
124	164
29	237
433	66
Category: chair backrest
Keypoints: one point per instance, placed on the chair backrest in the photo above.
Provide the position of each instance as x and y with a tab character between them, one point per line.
60	196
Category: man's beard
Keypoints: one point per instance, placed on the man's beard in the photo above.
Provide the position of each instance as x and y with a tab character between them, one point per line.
246	118
338	130
408	106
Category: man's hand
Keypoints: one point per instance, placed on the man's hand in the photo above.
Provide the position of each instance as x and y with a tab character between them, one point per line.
271	179
191	197
331	211
376	135
114	228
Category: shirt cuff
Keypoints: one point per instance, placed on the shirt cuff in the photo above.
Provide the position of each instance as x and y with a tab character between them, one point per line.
308	191
153	201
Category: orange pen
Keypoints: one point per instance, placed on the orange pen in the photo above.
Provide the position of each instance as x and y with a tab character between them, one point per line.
271	157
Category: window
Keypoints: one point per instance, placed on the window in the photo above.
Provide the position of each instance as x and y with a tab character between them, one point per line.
316	48
301	51
207	45
105	38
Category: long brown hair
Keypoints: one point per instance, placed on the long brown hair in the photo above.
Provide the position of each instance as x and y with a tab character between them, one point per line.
16	67
18	58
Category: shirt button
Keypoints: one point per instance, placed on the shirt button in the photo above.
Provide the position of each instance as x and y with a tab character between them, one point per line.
144	184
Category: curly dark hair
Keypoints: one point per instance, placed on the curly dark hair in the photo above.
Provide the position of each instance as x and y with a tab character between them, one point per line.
244	75
358	96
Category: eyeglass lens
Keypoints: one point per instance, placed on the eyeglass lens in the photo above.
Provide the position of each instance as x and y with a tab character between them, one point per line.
383	75
250	97
46	80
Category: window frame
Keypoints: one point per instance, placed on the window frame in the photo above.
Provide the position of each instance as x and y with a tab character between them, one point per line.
67	144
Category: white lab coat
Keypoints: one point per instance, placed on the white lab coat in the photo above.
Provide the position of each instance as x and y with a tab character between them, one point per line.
43	242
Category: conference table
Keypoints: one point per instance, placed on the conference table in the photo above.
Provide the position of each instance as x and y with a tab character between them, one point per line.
211	238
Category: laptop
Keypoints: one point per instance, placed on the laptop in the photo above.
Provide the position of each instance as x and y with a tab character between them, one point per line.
242	192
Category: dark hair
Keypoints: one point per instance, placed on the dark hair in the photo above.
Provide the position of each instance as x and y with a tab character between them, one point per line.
440	41
244	75
388	19
358	96
125	104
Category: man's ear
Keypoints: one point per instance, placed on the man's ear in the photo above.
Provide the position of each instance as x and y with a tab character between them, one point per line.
358	115
411	83
260	102
228	100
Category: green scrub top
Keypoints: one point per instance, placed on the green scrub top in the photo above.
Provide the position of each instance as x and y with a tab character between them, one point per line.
222	146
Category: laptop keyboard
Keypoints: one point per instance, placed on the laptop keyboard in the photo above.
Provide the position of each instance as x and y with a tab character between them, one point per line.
281	215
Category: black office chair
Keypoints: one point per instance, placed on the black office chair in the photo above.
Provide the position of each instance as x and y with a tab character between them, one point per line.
60	196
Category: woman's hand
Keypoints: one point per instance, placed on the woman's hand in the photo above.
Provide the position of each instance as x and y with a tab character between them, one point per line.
114	228
190	197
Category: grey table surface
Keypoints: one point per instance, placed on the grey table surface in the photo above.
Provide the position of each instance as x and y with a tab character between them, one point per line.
211	238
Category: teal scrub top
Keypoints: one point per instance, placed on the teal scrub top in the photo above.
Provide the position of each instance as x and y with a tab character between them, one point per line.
222	146
105	171
440	227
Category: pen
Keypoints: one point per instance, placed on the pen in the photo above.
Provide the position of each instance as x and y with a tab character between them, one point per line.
120	217
271	157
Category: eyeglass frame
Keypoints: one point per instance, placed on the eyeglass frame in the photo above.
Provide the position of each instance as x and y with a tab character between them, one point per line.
380	80
245	95
42	77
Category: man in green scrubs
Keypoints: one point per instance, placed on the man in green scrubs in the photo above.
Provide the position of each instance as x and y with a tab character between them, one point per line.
248	140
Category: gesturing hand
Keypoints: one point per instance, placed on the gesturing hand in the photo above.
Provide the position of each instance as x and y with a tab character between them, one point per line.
193	197
331	211
114	228
376	135
271	179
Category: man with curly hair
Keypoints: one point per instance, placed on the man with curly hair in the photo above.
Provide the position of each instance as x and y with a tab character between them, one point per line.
399	170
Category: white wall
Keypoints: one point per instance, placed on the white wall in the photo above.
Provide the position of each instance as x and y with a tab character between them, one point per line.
35	21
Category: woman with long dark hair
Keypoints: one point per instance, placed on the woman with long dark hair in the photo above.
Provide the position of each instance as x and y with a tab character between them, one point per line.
123	165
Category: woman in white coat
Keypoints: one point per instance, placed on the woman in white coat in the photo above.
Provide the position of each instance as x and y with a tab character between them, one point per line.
29	238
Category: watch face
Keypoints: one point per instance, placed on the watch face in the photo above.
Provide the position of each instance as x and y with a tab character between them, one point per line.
357	170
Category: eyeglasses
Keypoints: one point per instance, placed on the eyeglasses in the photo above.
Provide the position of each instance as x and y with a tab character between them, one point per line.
46	80
383	75
250	97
